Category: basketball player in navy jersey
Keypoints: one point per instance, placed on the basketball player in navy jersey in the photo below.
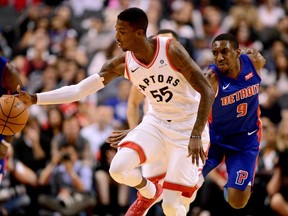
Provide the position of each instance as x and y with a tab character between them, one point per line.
234	125
9	82
175	127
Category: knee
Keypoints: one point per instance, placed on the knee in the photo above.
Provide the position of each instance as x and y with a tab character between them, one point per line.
115	173
238	199
172	209
238	202
276	201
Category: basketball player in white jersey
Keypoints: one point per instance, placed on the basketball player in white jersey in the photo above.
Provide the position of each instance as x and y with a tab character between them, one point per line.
155	171
175	126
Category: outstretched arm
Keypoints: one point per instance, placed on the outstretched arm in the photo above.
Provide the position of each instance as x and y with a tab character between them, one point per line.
110	70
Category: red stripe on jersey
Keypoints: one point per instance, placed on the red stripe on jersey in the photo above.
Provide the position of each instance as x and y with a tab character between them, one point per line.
126	66
154	58
167	54
137	148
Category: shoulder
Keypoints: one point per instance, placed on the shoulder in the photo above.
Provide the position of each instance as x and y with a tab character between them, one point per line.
255	56
212	78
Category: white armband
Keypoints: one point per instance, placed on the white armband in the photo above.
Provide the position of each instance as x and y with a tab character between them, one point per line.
67	94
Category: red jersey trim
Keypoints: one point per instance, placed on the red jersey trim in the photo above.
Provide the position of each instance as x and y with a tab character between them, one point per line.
167	54
154	58
126	66
137	148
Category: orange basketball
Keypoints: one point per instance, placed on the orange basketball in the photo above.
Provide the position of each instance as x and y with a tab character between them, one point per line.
13	115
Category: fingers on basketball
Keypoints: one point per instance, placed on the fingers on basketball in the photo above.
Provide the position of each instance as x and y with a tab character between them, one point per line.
13	115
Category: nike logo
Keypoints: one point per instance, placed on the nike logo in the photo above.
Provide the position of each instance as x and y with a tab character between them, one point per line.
225	87
134	70
252	132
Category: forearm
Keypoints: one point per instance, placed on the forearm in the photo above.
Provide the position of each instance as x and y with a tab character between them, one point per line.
38	152
76	182
71	93
46	173
133	116
24	174
203	112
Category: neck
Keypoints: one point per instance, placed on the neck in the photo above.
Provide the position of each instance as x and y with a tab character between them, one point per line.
146	51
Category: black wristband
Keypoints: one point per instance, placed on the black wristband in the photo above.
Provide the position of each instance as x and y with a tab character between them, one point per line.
195	137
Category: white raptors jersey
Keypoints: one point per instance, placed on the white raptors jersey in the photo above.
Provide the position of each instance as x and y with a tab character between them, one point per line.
170	96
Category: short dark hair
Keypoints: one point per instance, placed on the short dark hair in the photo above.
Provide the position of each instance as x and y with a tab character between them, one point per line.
227	37
136	17
166	31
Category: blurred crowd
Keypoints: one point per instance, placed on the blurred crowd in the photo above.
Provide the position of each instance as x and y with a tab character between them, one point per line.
58	164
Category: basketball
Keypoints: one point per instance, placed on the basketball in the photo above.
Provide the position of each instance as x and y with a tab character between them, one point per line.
13	115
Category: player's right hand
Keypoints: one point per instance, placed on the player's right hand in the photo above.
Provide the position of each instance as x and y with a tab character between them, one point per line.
116	137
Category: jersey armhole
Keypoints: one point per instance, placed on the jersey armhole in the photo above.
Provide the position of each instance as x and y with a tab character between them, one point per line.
126	72
167	54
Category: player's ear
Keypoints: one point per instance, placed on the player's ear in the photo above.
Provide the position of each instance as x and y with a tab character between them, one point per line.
139	32
238	51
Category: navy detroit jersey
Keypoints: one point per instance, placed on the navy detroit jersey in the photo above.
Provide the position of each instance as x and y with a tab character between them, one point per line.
3	63
236	106
170	96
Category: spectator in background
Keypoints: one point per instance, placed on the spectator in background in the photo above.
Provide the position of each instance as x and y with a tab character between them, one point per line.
278	185
71	136
246	35
266	164
281	63
72	50
269	104
269	13
98	37
13	191
70	181
54	124
100	127
32	148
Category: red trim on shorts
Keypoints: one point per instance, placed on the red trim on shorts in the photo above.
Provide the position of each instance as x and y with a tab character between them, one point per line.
186	191
137	148
259	123
157	178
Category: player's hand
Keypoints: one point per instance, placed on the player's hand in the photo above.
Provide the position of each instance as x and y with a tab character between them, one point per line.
26	98
116	137
195	150
4	145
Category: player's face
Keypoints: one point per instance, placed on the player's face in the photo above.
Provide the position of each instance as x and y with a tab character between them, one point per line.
125	35
225	56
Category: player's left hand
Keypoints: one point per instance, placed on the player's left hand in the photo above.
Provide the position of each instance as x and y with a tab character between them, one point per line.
195	149
116	137
4	145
